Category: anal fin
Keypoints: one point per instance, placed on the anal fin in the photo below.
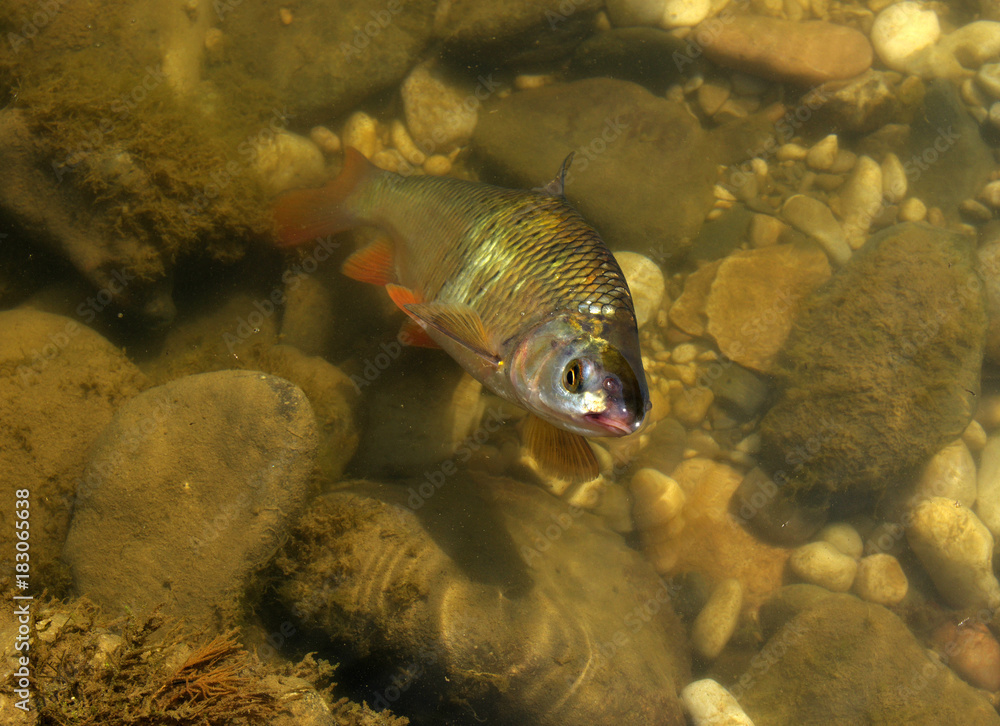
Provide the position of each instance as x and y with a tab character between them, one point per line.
559	453
373	264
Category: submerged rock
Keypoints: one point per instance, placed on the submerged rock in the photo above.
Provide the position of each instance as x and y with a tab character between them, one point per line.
328	58
502	597
882	366
836	659
640	55
807	52
60	383
188	491
632	151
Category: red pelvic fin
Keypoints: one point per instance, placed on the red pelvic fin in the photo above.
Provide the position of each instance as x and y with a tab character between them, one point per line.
413	334
403	296
306	214
372	264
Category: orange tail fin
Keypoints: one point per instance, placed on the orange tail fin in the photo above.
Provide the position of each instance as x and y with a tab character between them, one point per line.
305	214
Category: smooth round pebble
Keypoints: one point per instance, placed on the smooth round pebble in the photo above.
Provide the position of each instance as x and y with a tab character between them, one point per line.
988	78
403	142
437	165
441	114
717	621
325	139
912	210
861	200
823	154
657	498
288	161
881	580
792	152
956	550
645	282
894	183
684	353
974	436
709	704
823	564
988	486
950	473
991	194
901	30
815	219
844	537
684	13
361	132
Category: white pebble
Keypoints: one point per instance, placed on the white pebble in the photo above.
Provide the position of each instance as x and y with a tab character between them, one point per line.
823	154
988	486
401	139
816	220
440	115
988	78
912	210
881	580
950	473
974	437
861	200
956	550
991	194
823	564
361	132
684	353
717	621
325	139
712	705
791	152
657	498
894	184
902	30
437	165
646	283
684	13
844	537
288	161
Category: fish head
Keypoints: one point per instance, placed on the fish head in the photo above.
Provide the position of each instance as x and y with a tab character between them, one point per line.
575	377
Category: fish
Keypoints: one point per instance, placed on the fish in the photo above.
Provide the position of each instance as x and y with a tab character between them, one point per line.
514	284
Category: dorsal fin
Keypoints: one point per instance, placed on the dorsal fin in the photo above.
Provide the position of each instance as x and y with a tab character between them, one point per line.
557	187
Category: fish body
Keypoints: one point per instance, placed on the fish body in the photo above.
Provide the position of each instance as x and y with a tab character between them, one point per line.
514	284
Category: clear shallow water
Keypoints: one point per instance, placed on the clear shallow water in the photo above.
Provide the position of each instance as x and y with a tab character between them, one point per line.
811	254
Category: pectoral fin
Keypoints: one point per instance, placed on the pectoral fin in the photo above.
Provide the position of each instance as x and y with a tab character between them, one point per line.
559	453
456	328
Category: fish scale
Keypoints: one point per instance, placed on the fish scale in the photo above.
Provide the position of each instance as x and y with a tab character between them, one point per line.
514	285
507	251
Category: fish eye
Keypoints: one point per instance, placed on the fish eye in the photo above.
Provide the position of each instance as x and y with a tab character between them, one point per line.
573	376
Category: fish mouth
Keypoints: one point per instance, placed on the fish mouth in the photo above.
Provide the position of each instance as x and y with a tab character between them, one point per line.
614	426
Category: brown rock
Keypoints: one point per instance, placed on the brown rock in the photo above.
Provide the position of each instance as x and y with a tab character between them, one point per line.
705	538
688	311
806	53
755	296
